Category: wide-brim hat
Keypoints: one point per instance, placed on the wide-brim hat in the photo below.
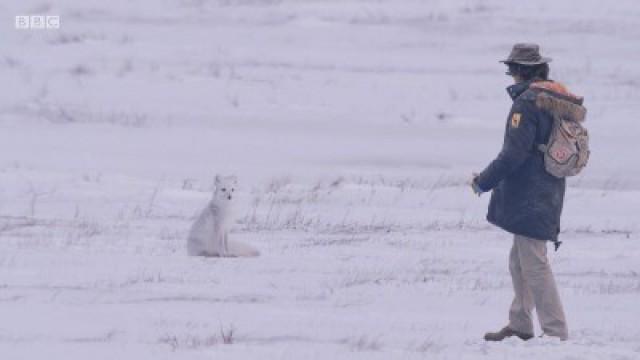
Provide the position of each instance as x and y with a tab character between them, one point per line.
526	54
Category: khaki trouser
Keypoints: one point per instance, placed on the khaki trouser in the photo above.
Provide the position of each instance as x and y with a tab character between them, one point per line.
534	286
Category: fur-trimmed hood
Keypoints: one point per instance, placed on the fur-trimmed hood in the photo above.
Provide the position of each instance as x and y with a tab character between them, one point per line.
558	101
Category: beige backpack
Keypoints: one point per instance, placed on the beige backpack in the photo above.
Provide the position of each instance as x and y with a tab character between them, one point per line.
567	151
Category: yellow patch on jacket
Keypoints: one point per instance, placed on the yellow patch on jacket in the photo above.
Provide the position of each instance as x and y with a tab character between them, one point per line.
515	120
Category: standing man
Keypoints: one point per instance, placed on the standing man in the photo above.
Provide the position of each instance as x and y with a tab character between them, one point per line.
526	200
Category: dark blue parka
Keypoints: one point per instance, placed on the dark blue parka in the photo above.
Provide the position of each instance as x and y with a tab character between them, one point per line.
526	200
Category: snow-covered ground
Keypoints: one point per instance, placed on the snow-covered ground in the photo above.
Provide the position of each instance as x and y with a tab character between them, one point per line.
353	127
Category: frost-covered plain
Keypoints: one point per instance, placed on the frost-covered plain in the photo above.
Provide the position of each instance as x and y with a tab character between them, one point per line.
353	126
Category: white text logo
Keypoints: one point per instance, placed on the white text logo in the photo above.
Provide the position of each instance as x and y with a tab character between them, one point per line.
37	22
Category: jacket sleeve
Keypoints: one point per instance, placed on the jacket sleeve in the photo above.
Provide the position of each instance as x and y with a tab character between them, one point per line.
518	145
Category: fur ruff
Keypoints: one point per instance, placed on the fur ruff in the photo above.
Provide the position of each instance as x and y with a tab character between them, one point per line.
566	106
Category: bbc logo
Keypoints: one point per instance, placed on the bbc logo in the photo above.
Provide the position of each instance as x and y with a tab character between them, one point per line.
37	22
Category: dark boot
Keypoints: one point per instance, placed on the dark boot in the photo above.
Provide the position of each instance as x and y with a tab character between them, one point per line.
505	333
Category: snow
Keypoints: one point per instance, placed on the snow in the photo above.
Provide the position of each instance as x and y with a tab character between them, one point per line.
353	127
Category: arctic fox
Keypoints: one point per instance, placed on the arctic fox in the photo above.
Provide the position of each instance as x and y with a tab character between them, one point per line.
209	235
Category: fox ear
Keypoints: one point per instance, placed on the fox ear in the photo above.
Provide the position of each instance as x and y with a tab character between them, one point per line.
217	180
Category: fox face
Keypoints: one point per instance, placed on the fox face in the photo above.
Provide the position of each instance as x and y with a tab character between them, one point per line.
225	187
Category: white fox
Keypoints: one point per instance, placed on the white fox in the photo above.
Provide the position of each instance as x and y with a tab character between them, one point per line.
209	235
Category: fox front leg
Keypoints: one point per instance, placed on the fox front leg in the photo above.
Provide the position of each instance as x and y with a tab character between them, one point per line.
225	244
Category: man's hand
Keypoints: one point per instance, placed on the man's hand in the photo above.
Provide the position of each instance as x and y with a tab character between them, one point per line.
474	187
